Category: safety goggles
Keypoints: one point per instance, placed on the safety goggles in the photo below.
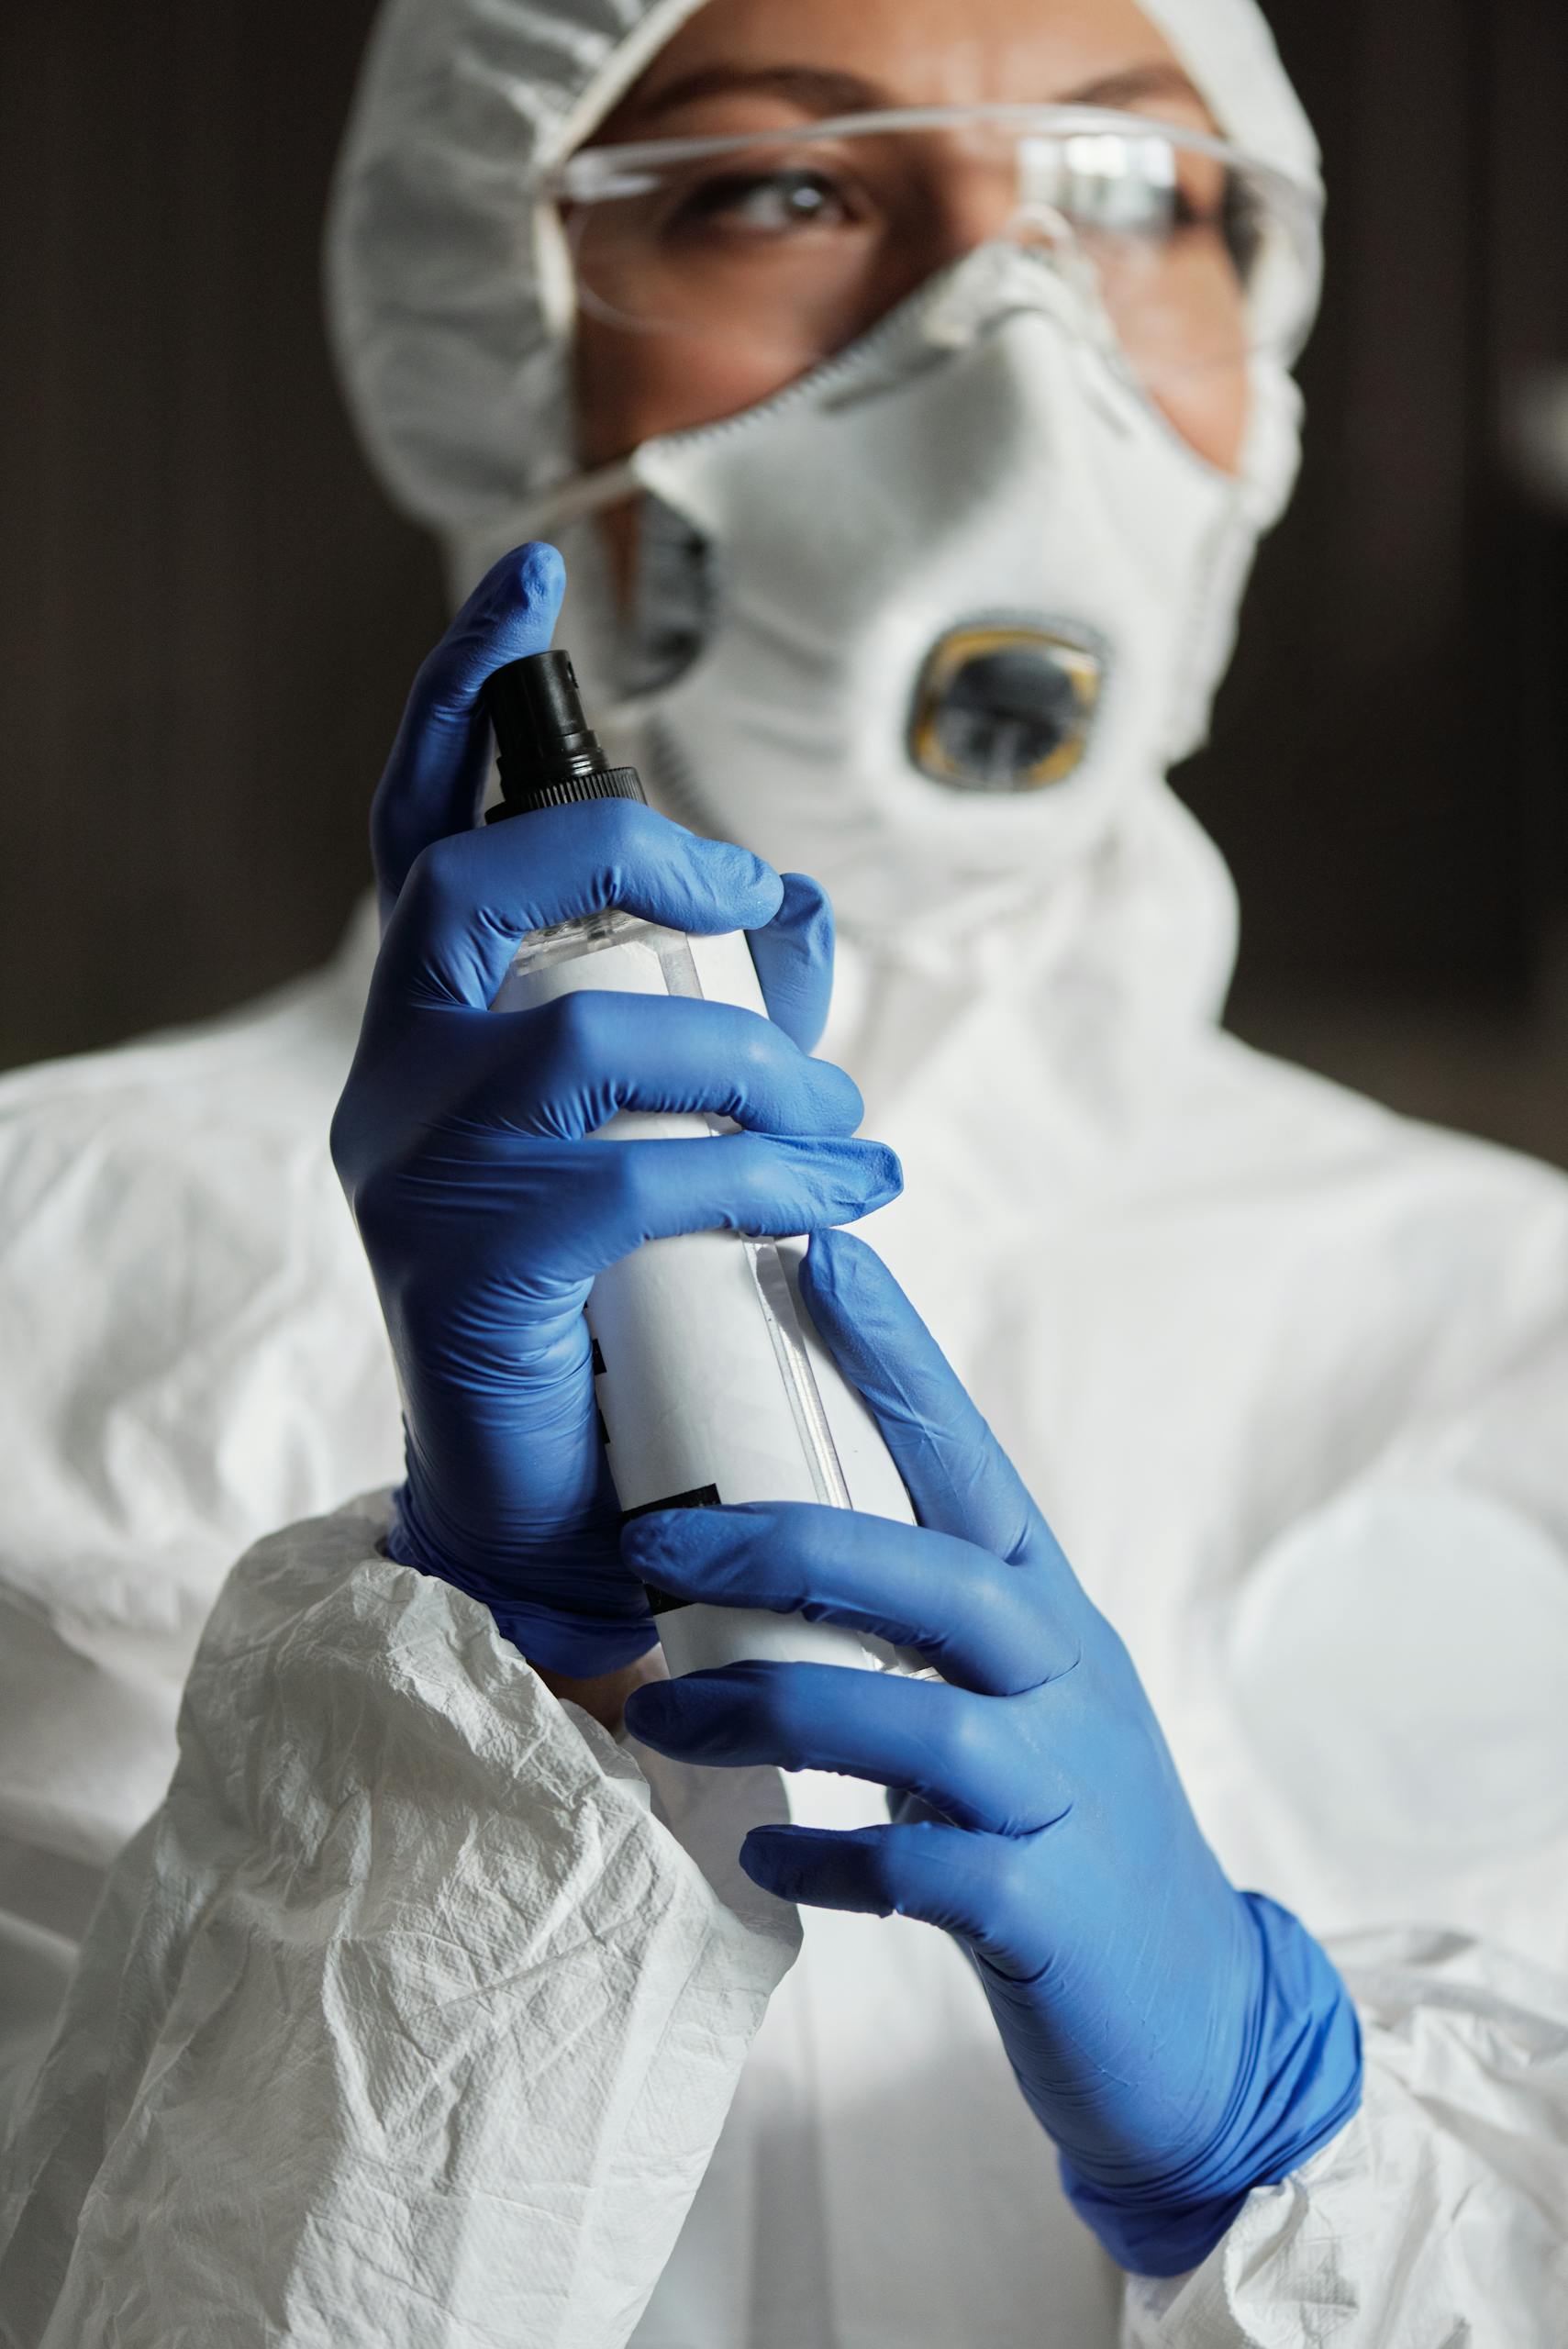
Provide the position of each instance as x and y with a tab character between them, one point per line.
792	243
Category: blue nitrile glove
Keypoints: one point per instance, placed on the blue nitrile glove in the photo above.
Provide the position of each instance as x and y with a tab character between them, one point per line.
1181	2042
461	1136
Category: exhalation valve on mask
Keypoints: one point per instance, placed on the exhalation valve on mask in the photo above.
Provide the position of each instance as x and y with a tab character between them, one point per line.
1005	708
712	1385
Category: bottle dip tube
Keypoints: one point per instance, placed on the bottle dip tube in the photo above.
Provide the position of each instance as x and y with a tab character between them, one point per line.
712	1385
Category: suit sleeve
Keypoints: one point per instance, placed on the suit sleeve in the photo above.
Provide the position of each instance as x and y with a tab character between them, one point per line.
407	2020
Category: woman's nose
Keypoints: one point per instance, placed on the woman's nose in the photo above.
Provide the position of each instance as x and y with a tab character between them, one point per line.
964	202
974	200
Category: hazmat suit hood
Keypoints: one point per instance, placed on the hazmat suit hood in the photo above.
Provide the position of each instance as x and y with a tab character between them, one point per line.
451	303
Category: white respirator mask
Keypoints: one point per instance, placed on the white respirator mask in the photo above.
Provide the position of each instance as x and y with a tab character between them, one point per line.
936	608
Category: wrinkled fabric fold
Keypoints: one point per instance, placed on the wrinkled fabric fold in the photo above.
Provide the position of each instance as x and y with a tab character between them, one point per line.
405	2020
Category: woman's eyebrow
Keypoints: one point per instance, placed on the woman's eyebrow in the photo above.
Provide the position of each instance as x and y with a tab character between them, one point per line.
811	88
1134	86
817	91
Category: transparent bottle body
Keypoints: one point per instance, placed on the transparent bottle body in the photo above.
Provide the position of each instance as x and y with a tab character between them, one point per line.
568	942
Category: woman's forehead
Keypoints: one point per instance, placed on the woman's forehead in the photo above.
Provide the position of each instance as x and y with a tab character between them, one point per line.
819	57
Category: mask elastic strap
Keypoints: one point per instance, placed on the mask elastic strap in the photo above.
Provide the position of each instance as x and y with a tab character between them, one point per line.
580	495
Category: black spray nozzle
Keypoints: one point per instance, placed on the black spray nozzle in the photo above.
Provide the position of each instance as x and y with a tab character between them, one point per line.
547	753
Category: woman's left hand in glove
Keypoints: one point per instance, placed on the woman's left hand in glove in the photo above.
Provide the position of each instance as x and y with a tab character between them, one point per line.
1180	2040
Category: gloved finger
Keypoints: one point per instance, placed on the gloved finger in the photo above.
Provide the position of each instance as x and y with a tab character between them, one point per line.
793	955
772	1184
979	1619
960	1753
467	900
976	1886
561	1212
567	1067
435	777
958	1476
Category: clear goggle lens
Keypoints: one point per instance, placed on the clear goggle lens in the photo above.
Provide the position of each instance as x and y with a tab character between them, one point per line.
794	242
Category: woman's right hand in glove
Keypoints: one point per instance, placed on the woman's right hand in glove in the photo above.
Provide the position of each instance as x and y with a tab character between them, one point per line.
464	1136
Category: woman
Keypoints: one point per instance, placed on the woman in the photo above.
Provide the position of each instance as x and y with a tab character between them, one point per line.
907	447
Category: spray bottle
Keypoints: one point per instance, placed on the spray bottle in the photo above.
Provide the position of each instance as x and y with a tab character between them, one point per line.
713	1387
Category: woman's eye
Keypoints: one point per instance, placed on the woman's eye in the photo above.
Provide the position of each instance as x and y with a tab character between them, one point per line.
770	204
1241	222
1125	204
1165	212
1229	218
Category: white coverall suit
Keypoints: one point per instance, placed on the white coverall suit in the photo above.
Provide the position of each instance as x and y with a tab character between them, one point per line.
421	2012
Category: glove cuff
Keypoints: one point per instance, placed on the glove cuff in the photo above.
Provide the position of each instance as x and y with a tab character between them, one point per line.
579	1646
1299	2082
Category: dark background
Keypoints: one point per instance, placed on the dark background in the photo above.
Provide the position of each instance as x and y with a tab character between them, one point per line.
210	617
